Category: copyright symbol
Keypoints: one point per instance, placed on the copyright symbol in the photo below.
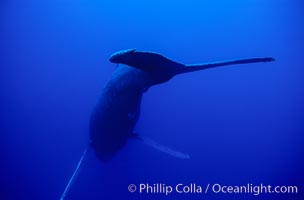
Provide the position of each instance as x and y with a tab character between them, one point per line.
132	188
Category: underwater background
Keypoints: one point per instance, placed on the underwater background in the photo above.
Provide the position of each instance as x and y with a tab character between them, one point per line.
239	124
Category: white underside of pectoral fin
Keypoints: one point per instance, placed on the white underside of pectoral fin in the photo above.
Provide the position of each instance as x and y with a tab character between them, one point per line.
163	148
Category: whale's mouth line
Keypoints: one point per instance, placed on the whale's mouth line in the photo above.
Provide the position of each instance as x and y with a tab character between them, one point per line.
119	56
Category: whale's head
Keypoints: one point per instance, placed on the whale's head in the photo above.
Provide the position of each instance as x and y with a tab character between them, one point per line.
159	67
122	56
146	61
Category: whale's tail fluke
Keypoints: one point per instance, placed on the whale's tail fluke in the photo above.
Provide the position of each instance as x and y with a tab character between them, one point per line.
159	147
197	67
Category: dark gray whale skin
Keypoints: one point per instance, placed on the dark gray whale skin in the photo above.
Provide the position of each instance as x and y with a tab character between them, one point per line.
117	111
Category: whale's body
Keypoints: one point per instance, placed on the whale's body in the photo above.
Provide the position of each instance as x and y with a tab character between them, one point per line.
117	111
114	117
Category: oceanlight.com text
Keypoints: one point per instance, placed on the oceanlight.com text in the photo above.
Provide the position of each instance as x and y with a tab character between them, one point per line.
215	188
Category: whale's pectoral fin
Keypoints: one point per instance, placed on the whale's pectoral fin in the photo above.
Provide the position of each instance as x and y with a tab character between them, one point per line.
160	147
197	67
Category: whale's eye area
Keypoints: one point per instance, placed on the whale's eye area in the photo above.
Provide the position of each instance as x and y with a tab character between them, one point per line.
121	56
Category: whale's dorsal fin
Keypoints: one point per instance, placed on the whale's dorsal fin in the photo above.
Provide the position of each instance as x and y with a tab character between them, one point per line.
159	147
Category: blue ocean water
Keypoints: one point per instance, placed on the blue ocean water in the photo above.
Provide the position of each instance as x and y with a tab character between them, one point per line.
240	124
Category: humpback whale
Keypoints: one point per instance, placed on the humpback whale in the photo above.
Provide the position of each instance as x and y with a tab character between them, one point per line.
115	115
117	111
